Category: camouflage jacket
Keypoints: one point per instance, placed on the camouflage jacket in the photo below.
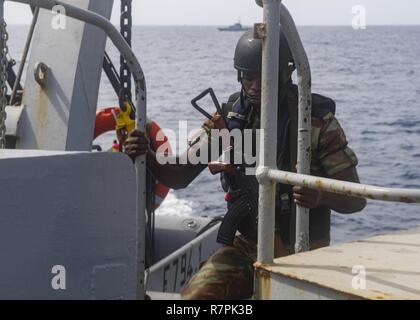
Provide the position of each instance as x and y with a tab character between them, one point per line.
330	155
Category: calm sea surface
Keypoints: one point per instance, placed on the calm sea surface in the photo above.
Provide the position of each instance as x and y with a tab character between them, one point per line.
373	75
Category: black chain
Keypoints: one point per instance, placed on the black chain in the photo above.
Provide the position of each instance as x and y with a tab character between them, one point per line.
126	23
4	50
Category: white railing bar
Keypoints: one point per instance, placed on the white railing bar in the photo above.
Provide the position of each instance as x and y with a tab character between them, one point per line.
341	187
304	120
268	153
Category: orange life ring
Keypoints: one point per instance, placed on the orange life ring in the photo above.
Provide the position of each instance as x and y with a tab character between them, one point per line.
106	120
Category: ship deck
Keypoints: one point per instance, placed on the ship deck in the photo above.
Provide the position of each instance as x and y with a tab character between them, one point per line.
382	267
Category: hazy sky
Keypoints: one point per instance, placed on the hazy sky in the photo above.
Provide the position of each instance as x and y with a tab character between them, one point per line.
223	12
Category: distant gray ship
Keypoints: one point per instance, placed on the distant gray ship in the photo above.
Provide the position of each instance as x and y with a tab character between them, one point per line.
236	27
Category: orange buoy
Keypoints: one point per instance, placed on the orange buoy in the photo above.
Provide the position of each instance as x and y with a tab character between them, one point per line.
105	121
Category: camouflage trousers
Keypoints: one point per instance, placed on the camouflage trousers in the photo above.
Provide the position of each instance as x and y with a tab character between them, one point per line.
229	272
227	275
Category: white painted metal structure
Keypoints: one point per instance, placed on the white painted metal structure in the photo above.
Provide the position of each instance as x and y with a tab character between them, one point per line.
269	109
60	115
274	12
105	25
54	215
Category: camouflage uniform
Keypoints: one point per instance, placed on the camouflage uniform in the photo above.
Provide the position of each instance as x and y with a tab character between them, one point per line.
229	272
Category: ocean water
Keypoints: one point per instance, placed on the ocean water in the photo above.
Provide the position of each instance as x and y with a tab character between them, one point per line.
372	74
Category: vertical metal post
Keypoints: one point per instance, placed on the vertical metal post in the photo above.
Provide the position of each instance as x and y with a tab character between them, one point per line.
24	55
304	122
269	110
141	191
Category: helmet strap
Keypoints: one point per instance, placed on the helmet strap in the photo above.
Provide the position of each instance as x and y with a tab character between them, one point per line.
242	96
240	76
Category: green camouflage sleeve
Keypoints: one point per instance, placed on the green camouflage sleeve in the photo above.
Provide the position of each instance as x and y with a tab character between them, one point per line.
333	152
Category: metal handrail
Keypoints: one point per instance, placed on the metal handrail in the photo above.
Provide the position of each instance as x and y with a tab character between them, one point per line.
304	120
135	67
269	110
24	56
346	188
275	11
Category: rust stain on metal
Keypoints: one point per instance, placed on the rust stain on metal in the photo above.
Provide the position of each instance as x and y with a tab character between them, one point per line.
259	265
264	284
41	103
260	31
378	295
318	184
341	187
407	200
41	106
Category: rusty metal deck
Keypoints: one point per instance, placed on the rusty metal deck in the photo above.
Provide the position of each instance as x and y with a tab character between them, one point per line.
383	267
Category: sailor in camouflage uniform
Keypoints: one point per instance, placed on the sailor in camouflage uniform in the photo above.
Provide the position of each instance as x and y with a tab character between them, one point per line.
229	272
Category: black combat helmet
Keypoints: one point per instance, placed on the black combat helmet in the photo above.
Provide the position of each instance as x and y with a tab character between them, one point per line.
248	54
